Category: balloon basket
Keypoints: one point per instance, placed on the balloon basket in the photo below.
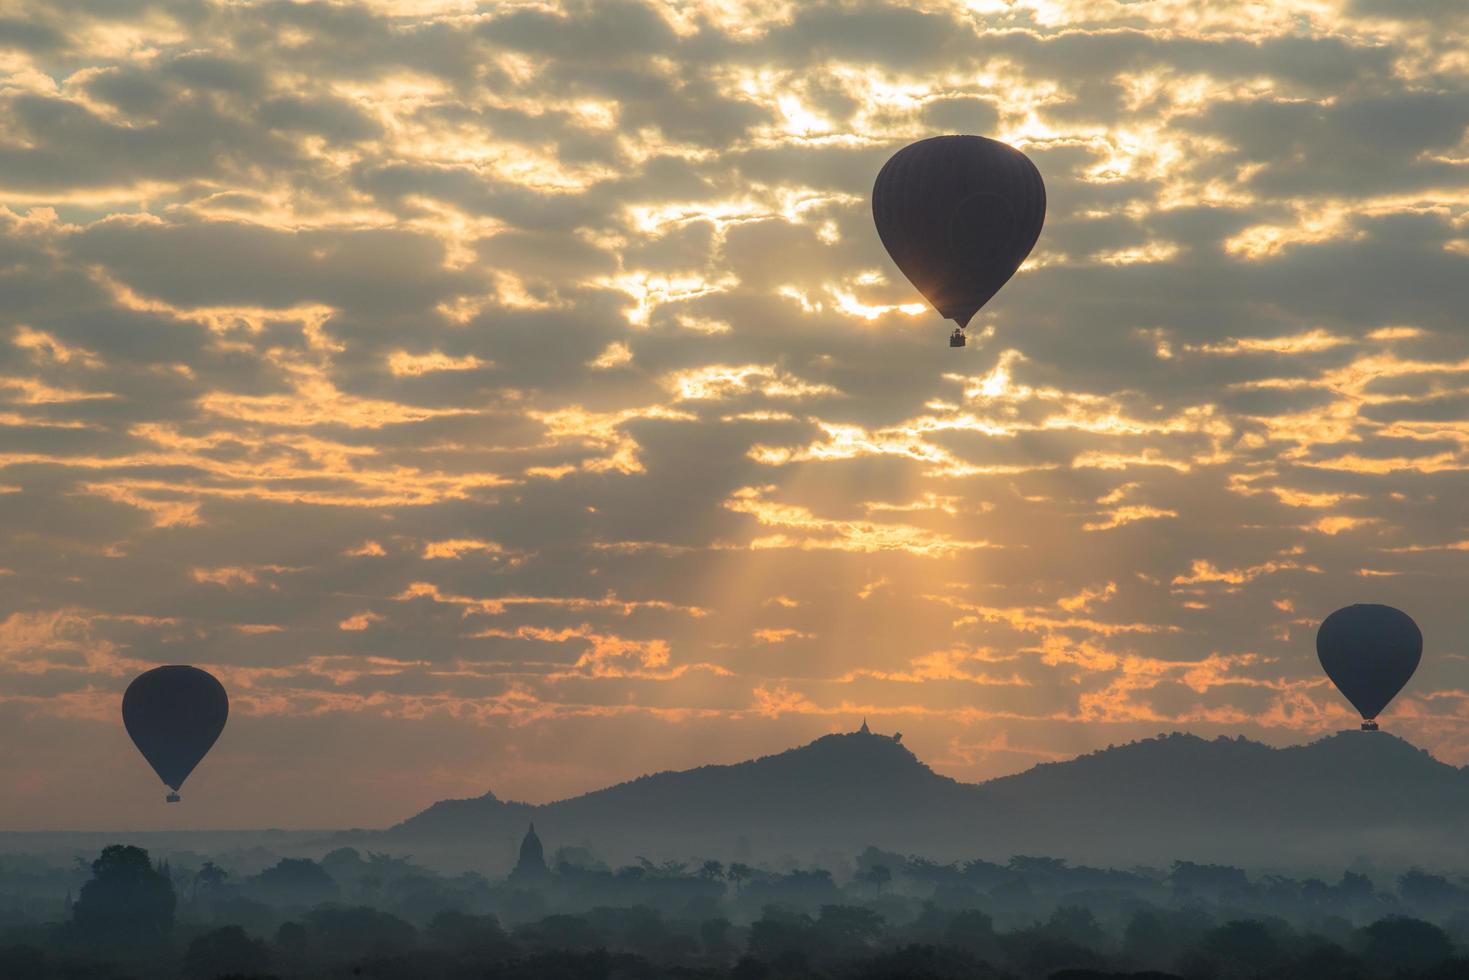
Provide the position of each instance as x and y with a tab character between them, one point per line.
1369	726
172	798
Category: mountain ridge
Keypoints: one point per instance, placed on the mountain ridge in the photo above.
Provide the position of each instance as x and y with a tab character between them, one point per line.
1177	795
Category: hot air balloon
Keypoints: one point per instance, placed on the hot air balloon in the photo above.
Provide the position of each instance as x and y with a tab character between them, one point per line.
1369	652
174	714
958	214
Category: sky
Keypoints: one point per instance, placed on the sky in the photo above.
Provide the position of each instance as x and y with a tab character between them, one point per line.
517	397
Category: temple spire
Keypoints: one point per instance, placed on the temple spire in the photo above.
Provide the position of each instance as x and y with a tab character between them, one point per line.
864	730
532	864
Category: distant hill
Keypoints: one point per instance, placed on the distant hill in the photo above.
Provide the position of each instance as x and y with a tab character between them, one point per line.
1350	796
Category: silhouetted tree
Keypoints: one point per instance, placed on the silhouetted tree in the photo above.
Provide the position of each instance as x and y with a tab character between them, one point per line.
1326	961
749	968
873	856
877	876
127	902
24	963
1427	891
663	869
1156	937
670	915
847	930
347	868
560	932
477	934
1400	943
925	963
250	915
1037	866
1334	929
1279	891
1316	893
557	965
1214	880
225	951
577	856
779	931
1355	887
714	934
343	860
523	905
210	877
1012	892
739	874
296	881
972	931
924	869
1240	948
291	937
1078	925
391	867
984	873
357	932
1036	954
807	889
643	929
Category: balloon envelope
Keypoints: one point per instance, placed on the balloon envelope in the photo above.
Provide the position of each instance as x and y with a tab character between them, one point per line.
174	714
958	214
1369	652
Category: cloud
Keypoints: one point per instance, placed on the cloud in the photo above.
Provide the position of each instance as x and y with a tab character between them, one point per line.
359	622
521	376
805	531
458	547
720	382
403	363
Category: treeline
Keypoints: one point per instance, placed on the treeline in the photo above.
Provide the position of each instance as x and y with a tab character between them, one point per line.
882	915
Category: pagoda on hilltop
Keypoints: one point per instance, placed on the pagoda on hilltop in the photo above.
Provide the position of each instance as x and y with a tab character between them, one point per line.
864	730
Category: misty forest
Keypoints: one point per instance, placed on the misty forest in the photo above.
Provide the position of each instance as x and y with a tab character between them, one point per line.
455	892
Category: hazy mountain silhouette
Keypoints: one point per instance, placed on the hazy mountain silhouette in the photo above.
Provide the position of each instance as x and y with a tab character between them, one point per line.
1347	796
838	789
1353	794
